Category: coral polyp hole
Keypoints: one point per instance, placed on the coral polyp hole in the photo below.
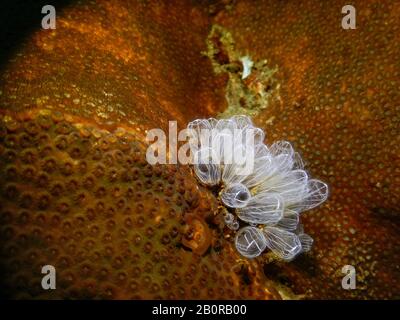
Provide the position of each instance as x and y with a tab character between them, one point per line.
67	168
31	128
10	156
44	202
61	143
49	165
57	189
29	156
44	121
63	127
11	191
26	200
11	173
28	173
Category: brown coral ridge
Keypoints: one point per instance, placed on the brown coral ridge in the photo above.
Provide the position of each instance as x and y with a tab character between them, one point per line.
339	106
135	65
85	201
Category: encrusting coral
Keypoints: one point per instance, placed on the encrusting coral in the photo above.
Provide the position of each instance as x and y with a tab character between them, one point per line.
133	65
85	201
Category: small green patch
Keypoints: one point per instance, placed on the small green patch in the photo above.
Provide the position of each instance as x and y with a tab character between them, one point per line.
251	84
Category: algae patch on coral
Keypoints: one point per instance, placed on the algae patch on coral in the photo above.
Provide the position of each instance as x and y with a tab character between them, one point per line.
251	84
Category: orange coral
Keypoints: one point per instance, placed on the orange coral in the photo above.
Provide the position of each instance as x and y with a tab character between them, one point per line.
338	105
78	194
85	201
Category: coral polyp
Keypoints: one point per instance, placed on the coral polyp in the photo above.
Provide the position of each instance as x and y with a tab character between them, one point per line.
267	187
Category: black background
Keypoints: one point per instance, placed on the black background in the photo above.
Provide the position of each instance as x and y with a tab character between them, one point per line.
18	18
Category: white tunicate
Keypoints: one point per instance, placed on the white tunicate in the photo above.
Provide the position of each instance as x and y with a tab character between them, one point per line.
231	222
229	218
233	226
237	170
235	196
291	186
223	145
306	242
242	121
199	133
284	244
269	168
205	167
299	229
267	186
281	147
212	122
249	136
263	208
315	193
289	221
282	163
226	124
298	161
261	167
250	242
255	136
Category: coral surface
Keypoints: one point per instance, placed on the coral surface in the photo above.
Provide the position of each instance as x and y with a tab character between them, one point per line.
75	189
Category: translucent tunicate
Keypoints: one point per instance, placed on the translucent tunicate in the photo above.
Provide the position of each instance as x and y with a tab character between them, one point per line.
250	242
284	244
266	186
266	208
229	218
234	225
236	196
206	166
306	242
289	221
